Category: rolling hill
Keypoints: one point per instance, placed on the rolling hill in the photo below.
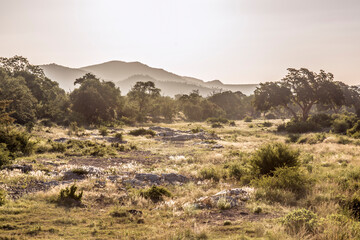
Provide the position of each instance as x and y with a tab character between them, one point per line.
126	74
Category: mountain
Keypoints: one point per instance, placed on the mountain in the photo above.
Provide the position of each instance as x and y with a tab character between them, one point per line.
63	75
126	74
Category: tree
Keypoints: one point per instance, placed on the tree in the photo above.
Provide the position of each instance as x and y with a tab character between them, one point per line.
299	91
96	101
143	94
5	118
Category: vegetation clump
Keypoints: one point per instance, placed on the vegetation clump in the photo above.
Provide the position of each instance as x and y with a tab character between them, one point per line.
155	193
142	132
300	219
69	197
271	156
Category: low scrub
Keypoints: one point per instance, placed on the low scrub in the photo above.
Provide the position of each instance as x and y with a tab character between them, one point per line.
217	120
300	220
142	132
299	127
69	197
272	156
155	193
248	119
211	173
284	179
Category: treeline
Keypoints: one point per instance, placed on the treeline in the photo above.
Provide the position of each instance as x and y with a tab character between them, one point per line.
34	97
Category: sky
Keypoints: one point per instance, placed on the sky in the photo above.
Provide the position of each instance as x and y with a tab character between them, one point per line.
235	41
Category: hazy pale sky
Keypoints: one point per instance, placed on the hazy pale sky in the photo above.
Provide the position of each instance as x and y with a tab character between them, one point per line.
235	41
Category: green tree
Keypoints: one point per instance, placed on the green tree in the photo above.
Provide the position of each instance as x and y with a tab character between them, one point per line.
96	101
143	95
298	91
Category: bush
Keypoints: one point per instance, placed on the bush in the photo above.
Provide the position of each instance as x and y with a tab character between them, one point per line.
103	131
354	131
69	197
4	155
119	137
237	171
248	119
312	138
2	197
142	132
266	124
270	116
196	130
16	142
289	179
216	125
232	123
299	127
321	119
352	205
155	193
217	120
300	219
272	156
293	138
210	173
58	147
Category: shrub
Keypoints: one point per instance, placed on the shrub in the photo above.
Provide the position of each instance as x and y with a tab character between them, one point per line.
73	128
236	171
354	131
312	138
299	127
266	124
2	197
210	173
293	138
217	120
352	205
155	193
196	130
103	131
119	137
272	156
289	179
4	155
17	143
248	119
223	204
232	123
216	125
57	147
69	197
270	116
300	219
321	119
142	132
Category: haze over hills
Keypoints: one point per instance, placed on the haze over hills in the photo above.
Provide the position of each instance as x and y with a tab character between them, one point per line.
126	74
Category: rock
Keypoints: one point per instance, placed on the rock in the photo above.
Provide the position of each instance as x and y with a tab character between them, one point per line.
62	140
173	177
70	175
133	182
24	168
217	146
234	197
148	177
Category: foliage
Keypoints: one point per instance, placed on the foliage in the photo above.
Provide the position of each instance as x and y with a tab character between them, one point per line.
300	219
119	137
15	143
247	119
69	197
155	193
103	131
217	125
299	90
143	94
217	120
96	101
4	155
354	131
271	156
288	178
299	127
142	132
211	173
2	197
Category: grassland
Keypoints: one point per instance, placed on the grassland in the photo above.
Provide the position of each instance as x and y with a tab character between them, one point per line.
115	209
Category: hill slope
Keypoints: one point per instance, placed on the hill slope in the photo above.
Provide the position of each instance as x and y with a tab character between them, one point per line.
126	74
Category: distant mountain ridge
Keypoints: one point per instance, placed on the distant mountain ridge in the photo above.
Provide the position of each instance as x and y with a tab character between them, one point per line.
126	74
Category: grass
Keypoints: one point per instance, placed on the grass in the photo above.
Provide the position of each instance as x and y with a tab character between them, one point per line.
330	166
